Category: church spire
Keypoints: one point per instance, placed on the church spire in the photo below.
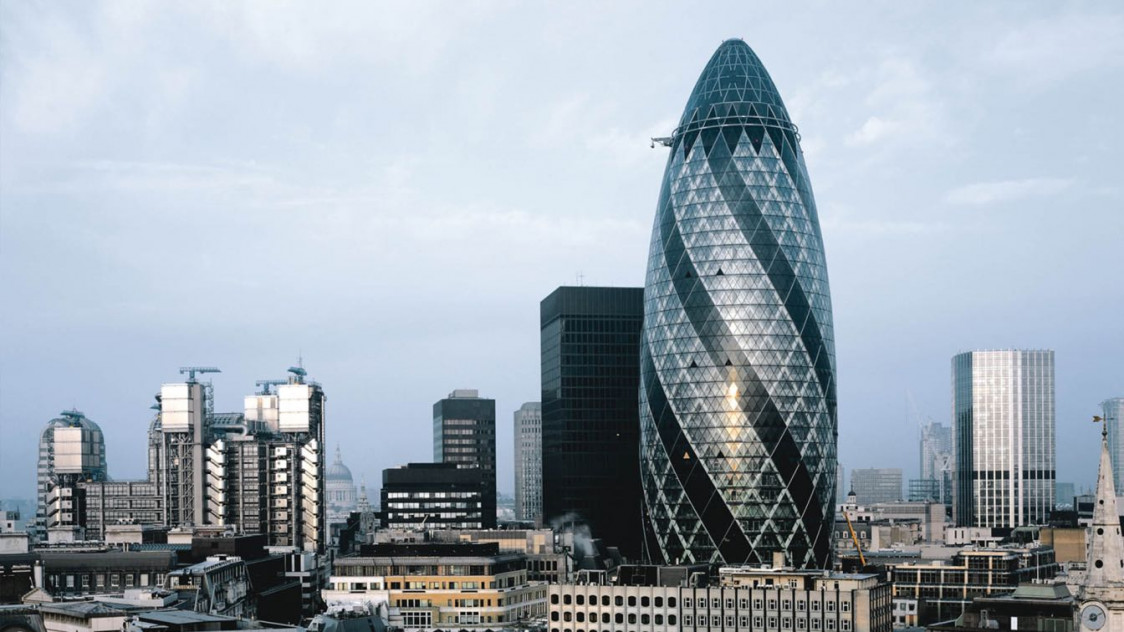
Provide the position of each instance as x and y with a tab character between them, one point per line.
1105	553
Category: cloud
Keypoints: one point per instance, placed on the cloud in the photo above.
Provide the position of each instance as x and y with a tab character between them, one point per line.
907	108
1048	50
982	193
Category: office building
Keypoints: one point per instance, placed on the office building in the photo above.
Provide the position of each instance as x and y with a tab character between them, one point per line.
528	463
936	461
1113	412
737	397
464	434
434	495
590	340
71	449
449	586
340	489
876	485
1003	431
744	598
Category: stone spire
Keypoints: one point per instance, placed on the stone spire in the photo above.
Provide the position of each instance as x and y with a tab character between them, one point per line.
339	457
1105	552
363	505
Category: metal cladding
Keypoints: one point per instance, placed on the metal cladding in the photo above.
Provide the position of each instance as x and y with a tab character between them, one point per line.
737	394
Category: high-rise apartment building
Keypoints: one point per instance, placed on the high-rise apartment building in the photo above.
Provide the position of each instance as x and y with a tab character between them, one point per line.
464	434
1003	438
1113	413
737	396
528	463
590	415
876	485
71	449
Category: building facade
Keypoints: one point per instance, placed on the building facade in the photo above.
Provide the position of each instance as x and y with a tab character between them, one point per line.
71	449
442	586
877	485
434	495
936	462
750	600
528	463
1004	438
590	340
738	396
464	434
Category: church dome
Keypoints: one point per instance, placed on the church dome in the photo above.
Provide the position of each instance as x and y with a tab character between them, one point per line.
337	471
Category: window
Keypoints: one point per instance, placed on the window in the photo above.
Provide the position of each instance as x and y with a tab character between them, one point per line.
619	600
604	600
659	602
800	605
757	604
659	619
567	599
845	606
580	600
671	619
553	615
580	617
831	624
815	623
786	604
645	602
645	619
671	602
632	601
831	606
729	602
845	625
686	603
686	620
554	599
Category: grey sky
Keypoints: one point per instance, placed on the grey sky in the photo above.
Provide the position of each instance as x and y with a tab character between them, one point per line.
390	191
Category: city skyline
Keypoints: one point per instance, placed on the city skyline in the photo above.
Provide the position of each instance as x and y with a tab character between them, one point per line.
924	154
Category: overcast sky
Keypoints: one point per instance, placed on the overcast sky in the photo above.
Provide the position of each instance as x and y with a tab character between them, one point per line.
389	191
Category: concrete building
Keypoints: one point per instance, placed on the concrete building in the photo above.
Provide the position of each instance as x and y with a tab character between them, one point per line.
219	585
929	591
464	434
431	586
877	485
750	599
528	463
435	495
1004	438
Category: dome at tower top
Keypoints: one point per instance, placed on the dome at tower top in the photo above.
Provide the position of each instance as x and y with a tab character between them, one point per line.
337	471
734	85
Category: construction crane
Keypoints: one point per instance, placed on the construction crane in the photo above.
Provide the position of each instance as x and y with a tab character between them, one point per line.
854	537
265	385
192	370
666	141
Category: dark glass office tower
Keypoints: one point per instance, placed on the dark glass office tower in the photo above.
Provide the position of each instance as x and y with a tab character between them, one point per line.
464	433
738	359
590	415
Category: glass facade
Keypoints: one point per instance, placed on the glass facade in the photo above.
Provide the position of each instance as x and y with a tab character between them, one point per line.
1114	416
738	405
1003	438
590	419
464	433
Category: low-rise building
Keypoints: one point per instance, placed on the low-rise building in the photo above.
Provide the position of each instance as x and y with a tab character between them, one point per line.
219	585
749	599
932	591
430	586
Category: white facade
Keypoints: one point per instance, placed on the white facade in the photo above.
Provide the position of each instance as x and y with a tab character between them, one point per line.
1004	438
342	496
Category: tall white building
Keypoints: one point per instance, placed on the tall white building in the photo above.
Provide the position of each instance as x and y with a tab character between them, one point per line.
528	462
1113	417
1003	437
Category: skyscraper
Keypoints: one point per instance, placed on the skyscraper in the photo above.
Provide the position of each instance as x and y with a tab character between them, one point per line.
738	405
528	462
590	417
1113	412
1003	438
464	433
71	449
936	462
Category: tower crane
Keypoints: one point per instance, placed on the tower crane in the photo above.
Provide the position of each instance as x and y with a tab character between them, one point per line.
266	385
192	370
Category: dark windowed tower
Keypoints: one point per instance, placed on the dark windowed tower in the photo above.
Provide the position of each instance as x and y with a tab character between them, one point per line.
738	407
590	416
464	433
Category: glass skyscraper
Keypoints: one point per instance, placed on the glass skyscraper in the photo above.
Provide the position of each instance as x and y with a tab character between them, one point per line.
590	418
1003	438
737	396
1114	416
